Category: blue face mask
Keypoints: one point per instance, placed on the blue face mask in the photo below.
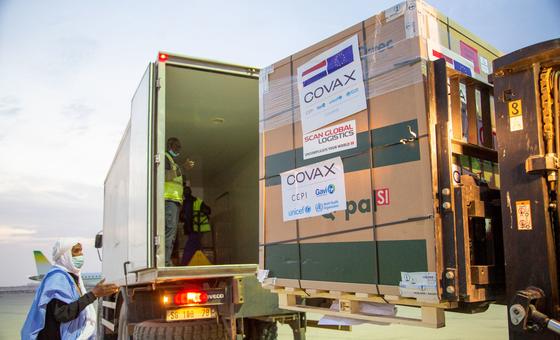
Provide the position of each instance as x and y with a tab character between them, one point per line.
78	261
173	153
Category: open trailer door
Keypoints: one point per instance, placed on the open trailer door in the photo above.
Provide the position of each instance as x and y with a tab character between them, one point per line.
140	223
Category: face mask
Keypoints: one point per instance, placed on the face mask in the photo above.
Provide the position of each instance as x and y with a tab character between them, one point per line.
173	153
78	261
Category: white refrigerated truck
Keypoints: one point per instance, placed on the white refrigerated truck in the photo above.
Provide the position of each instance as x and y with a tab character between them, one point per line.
213	108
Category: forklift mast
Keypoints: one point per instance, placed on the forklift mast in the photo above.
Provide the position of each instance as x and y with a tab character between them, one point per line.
527	107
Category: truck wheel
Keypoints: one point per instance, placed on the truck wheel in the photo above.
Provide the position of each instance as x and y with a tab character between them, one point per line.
262	330
161	330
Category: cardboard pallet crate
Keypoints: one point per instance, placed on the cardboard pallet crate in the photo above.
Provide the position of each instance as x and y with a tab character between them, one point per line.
391	223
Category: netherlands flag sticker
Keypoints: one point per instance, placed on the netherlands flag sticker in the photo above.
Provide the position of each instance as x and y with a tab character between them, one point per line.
328	66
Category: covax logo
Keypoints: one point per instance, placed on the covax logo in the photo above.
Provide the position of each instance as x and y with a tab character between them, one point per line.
311	174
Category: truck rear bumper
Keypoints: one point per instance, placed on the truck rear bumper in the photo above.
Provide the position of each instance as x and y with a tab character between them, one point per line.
168	274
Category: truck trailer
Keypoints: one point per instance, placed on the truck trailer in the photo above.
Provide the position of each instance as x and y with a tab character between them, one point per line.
212	107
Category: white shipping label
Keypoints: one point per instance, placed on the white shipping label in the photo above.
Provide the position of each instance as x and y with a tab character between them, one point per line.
331	86
313	190
484	65
419	285
394	12
328	140
410	23
263	78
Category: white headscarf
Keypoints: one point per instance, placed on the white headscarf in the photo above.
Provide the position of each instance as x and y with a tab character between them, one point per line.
62	257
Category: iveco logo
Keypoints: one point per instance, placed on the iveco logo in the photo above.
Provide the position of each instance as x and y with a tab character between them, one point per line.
216	296
308	175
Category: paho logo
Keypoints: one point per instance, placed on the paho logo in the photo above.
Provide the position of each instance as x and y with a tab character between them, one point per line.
329	190
311	174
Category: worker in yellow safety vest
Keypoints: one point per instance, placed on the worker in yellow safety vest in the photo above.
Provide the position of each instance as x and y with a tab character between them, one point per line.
196	215
173	194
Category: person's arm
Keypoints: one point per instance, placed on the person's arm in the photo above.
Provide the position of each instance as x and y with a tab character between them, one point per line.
205	209
169	174
64	312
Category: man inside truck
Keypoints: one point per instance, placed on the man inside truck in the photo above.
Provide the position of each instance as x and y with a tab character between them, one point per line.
195	214
173	195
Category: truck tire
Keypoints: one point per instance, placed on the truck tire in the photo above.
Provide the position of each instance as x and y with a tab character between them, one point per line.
262	330
196	330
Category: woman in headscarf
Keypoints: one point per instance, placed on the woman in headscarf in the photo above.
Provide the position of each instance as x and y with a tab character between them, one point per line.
62	309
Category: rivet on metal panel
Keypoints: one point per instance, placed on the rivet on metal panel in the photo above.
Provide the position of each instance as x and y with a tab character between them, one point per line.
450	289
446	192
450	275
446	205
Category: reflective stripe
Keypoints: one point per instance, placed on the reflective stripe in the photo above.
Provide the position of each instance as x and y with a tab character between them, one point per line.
200	219
173	190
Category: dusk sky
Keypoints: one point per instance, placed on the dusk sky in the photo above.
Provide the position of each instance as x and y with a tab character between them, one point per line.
68	70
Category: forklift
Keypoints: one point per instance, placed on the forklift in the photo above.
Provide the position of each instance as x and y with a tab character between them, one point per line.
527	106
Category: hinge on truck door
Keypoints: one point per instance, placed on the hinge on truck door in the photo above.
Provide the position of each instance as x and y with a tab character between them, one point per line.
157	158
158	83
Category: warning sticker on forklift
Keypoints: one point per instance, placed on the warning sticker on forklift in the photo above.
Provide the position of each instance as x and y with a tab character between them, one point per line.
523	210
515	111
419	285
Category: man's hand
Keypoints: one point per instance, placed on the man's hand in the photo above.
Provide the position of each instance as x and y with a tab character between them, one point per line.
189	164
104	289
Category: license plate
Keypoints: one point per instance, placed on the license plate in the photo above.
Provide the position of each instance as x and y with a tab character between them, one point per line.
190	313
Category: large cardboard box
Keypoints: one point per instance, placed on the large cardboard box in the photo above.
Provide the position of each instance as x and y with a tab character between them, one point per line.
388	227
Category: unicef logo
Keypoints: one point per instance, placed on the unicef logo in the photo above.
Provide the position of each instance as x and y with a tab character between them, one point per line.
319	207
330	188
307	209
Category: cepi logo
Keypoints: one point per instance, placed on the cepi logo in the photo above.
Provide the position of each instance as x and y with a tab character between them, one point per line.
329	190
300	211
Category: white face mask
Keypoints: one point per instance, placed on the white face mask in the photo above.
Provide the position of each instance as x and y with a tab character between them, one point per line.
78	261
173	153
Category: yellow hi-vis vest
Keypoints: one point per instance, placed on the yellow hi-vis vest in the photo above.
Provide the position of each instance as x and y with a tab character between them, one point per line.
173	190
200	219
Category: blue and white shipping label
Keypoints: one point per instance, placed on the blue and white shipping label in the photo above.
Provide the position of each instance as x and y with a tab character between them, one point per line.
331	86
313	190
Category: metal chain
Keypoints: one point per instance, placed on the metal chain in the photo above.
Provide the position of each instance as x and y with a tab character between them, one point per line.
546	106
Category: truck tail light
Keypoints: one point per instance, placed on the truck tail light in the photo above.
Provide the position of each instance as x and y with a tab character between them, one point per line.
163	57
188	297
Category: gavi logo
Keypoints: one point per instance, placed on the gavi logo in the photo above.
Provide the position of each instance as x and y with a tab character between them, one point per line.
329	190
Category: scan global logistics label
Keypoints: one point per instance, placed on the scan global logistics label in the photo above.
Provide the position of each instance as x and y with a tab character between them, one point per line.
332	139
313	190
